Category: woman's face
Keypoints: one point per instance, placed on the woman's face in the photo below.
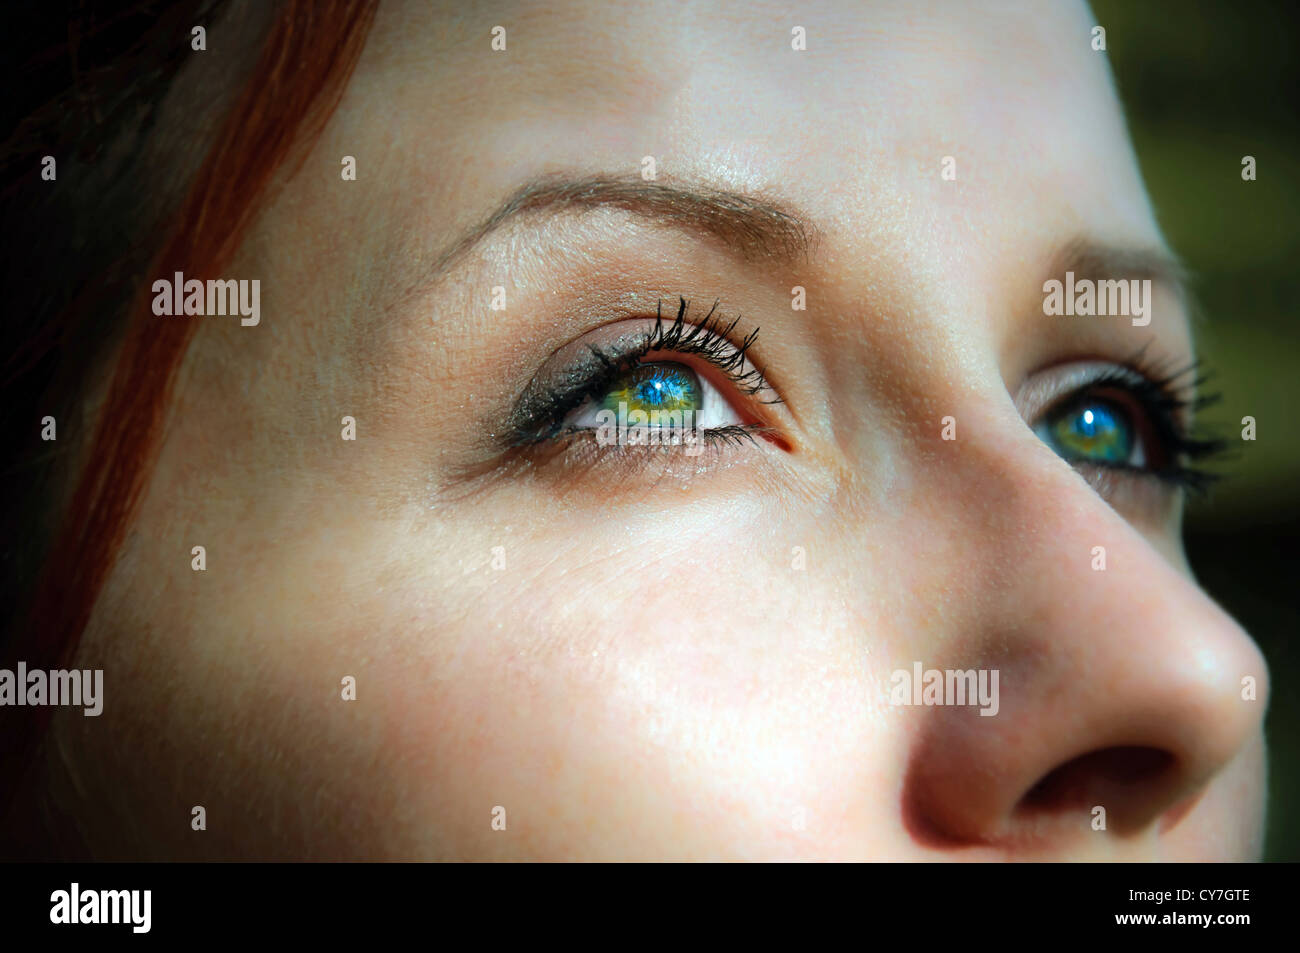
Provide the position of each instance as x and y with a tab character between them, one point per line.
640	652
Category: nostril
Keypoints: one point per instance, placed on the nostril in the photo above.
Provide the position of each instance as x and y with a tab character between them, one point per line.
1111	776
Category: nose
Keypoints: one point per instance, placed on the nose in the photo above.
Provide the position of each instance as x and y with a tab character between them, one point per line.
1123	690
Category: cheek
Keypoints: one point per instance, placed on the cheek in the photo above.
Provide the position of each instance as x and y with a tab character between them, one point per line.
693	695
226	688
593	706
1227	823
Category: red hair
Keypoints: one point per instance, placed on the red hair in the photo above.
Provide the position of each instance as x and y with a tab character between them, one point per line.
294	88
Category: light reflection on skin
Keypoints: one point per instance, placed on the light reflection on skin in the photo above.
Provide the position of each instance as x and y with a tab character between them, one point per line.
648	676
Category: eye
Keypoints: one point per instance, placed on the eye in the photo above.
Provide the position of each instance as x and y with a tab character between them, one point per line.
653	373
658	389
1094	430
1123	421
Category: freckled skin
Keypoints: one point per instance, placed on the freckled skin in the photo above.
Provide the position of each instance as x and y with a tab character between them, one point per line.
690	662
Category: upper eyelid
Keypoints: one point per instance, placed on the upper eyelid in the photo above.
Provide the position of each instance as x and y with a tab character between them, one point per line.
1046	389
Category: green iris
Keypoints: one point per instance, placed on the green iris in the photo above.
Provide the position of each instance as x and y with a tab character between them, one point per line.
1093	431
655	387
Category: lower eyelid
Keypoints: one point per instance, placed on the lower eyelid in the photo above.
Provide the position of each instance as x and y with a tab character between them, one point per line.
574	463
1132	493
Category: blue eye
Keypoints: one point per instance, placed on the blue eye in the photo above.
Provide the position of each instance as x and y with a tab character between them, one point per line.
663	386
1093	431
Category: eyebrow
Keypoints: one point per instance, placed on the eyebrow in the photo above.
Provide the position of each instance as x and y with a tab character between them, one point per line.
753	228
760	228
1091	259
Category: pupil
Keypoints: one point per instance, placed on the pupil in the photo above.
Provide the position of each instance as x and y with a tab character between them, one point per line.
1090	423
651	392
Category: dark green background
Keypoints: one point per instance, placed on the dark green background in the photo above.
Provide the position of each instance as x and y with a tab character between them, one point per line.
1204	84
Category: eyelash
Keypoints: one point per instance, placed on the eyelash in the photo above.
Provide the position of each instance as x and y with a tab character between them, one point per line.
710	341
1166	405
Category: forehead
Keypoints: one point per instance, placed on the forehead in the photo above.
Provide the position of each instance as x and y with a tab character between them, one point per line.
883	92
854	132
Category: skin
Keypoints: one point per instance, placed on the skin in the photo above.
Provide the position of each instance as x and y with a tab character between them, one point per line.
650	676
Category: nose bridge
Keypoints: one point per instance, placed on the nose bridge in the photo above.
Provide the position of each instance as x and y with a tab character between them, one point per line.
1099	643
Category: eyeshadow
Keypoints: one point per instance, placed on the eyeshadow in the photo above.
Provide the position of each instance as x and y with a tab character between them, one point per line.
571	374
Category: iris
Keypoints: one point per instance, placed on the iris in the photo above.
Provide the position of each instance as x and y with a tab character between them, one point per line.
655	387
1095	431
